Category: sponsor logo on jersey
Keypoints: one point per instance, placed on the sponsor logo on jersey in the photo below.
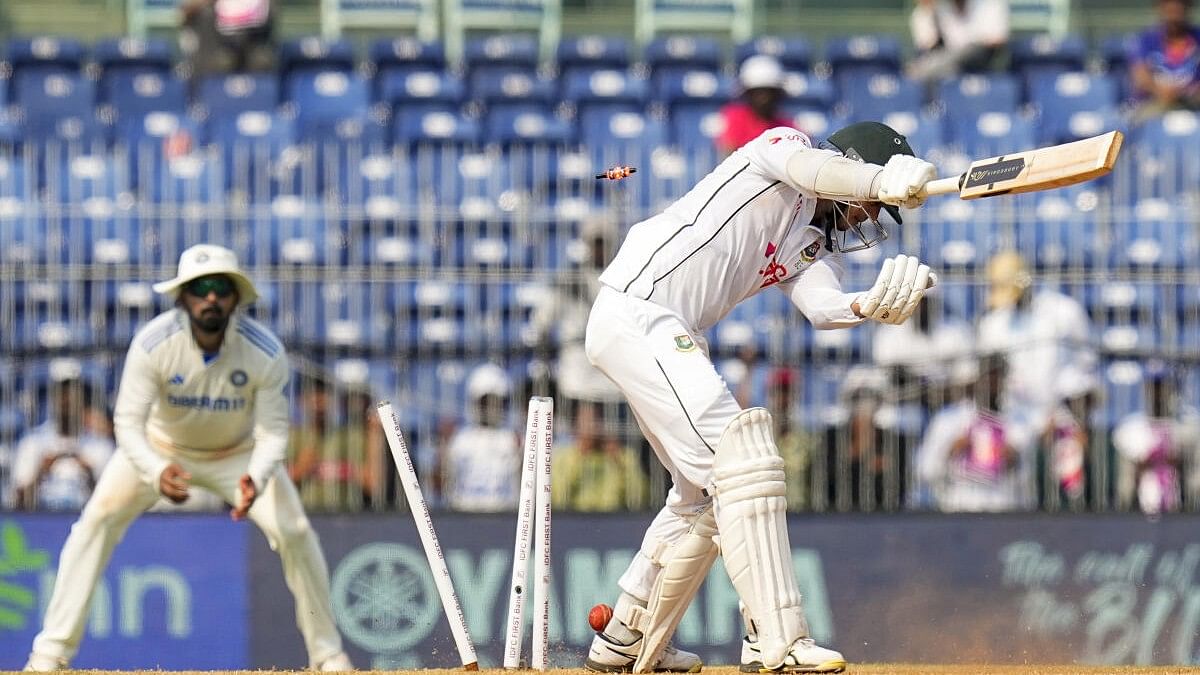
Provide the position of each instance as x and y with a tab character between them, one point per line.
218	404
770	249
786	137
238	378
684	343
176	379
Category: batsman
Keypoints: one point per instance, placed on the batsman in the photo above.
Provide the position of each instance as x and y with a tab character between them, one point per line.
776	213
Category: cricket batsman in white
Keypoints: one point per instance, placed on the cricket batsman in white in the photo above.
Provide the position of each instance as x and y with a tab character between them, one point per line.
202	403
777	212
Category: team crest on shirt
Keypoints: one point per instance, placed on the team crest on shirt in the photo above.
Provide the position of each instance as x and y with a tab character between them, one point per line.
238	378
810	252
684	343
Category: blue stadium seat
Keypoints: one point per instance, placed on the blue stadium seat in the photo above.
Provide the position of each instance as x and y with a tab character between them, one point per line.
133	95
382	186
1156	237
1061	96
44	55
696	125
433	124
521	124
859	52
1058	229
793	52
593	52
1163	150
1114	52
958	234
79	177
867	97
806	91
969	96
252	146
1048	55
133	54
816	124
674	87
603	87
224	96
683	52
314	54
397	87
22	240
621	138
45	99
295	232
993	134
407	51
324	98
196	178
510	84
517	50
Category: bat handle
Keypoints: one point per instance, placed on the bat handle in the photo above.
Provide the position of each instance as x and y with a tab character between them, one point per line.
941	186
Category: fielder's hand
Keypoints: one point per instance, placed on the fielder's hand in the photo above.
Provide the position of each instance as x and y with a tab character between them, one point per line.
902	179
173	483
897	292
247	493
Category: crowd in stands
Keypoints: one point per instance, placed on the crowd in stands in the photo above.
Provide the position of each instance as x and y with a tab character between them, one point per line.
1060	385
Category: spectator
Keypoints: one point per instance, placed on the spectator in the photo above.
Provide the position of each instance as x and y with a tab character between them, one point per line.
1156	447
921	353
58	462
863	460
757	108
955	36
597	472
227	36
482	465
337	448
1067	441
1044	333
1164	62
796	444
973	457
564	315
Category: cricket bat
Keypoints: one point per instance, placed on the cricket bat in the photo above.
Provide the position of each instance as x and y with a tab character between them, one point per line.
1033	170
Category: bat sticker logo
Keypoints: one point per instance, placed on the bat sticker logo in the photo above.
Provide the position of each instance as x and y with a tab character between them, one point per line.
997	172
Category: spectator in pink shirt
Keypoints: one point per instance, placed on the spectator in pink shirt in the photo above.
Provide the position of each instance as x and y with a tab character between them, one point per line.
757	109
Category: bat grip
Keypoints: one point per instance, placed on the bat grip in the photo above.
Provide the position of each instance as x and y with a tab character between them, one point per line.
941	186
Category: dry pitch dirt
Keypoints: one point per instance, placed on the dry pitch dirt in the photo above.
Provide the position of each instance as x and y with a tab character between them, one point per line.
855	669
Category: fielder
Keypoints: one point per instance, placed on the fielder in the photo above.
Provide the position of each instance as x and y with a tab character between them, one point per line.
203	402
777	212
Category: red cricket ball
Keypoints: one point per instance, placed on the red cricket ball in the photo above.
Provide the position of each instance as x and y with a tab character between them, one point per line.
599	617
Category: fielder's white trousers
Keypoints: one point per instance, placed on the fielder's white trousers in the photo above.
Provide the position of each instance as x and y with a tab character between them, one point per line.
121	496
681	403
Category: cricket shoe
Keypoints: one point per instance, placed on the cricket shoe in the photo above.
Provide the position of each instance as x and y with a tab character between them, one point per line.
609	656
41	663
805	656
337	663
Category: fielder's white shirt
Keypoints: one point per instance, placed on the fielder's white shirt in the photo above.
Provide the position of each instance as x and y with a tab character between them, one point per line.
741	229
483	469
171	402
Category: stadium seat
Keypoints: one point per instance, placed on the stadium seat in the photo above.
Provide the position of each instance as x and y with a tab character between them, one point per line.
957	234
433	124
406	51
863	52
677	52
969	96
522	124
38	57
129	54
794	53
133	96
45	99
867	97
1046	55
621	138
226	96
252	145
1163	149
517	50
1067	99
688	86
313	54
805	91
603	87
402	87
818	125
1156	237
1058	229
511	84
326	95
992	134
587	52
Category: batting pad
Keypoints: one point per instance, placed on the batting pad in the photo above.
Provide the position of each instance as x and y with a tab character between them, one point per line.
750	505
685	566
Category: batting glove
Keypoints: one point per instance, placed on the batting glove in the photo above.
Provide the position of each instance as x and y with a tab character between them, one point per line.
898	291
901	181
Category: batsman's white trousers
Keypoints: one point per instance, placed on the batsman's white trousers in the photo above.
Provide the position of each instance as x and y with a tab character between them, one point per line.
681	403
121	496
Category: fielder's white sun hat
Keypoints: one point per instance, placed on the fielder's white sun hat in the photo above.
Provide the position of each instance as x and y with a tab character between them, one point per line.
761	71
203	260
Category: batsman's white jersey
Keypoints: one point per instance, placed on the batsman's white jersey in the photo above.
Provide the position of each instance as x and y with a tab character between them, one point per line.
744	228
172	403
218	419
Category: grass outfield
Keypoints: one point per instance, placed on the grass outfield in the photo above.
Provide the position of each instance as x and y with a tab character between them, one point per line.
856	669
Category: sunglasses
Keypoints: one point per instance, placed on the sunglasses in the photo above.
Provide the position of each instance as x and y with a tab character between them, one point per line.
201	287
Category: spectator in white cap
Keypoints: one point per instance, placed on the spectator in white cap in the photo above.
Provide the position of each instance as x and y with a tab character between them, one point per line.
760	81
481	464
202	403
